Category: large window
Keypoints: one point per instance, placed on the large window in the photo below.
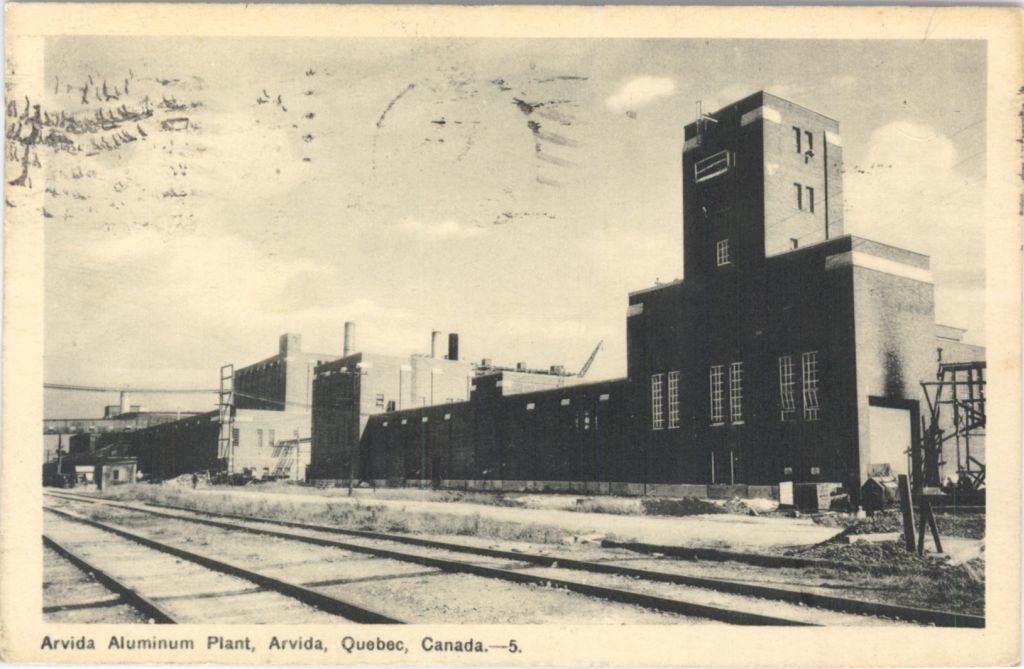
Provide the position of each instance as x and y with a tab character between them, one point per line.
787	387
736	392
722	252
717	394
657	402
712	166
673	400
812	409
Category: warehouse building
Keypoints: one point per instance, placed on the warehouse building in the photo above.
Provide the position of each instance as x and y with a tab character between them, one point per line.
790	350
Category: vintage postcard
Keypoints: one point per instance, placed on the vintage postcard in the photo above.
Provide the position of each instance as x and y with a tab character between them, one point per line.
573	336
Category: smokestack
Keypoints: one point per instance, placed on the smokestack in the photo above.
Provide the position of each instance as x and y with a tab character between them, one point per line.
125	402
453	346
350	339
435	343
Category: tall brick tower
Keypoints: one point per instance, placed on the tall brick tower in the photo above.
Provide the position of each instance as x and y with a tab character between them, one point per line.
761	177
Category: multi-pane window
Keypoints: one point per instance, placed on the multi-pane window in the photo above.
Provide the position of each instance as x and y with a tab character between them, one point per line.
736	392
812	409
673	400
722	252
787	387
271	438
657	402
234	437
712	166
717	394
259	439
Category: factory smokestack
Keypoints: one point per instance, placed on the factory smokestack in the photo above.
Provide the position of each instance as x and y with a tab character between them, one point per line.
435	343
453	346
126	404
350	339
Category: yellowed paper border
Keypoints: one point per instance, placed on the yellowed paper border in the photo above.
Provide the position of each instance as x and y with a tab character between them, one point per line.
20	601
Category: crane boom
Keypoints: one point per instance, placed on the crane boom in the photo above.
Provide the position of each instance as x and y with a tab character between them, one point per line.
590	360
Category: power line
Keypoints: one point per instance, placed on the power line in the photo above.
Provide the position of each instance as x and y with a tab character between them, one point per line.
108	389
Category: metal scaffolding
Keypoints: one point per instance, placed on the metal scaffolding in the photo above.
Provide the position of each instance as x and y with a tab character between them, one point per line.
956	414
225	447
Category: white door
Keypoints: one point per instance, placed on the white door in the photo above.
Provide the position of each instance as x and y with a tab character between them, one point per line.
889	434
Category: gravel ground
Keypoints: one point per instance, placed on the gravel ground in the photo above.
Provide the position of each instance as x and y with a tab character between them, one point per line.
65	585
406	591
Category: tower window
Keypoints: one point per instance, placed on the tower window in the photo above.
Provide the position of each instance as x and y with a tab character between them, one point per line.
736	392
799	195
673	400
787	388
812	409
717	396
810	143
722	252
712	166
796	135
657	402
810	199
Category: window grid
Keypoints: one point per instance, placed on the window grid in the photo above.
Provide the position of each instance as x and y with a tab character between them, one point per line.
673	400
736	392
717	396
722	252
812	410
787	387
259	439
657	402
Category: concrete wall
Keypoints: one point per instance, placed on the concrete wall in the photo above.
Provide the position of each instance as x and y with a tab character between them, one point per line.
267	445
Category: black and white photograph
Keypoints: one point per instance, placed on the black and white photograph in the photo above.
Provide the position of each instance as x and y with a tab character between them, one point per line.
345	333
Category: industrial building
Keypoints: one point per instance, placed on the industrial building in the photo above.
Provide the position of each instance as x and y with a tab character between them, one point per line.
262	430
790	351
351	389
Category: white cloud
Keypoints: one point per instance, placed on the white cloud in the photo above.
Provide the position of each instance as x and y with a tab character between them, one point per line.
640	91
444	229
912	189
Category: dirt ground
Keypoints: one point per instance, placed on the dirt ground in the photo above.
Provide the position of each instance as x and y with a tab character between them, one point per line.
880	571
967	525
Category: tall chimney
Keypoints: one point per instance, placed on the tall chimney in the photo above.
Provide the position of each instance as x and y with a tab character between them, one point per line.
435	343
453	346
350	339
126	404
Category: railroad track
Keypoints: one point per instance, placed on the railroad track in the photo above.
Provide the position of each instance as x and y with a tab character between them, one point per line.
183	581
539	570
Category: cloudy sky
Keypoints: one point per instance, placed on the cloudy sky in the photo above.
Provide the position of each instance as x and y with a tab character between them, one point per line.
222	192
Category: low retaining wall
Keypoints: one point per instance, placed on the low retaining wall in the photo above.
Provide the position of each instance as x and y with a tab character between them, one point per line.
623	489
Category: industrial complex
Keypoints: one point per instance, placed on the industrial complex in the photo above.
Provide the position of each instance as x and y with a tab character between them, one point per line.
790	351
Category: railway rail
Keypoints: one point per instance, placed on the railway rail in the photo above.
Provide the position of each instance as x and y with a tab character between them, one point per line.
537	570
286	593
